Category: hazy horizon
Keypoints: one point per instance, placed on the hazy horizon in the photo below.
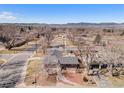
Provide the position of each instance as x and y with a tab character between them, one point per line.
61	23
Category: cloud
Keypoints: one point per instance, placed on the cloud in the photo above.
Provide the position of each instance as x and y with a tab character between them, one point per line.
7	16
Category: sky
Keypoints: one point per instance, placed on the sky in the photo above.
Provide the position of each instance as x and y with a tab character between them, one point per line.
61	13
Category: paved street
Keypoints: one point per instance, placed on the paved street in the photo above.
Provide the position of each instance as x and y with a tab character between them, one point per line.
13	72
6	56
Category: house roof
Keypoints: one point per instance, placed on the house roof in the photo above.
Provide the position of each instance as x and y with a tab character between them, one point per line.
69	60
50	59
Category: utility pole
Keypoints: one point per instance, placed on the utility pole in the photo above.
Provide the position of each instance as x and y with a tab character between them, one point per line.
35	78
36	46
64	42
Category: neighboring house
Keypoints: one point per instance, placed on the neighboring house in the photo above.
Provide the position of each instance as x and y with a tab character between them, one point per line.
95	65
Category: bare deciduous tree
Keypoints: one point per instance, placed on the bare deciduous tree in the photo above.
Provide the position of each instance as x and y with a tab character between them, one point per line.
98	39
10	36
48	36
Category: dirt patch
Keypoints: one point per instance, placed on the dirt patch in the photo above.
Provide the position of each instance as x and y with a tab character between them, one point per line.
74	77
46	80
79	78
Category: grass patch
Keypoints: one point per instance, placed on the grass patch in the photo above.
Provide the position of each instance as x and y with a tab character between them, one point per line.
8	52
34	67
16	49
2	61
